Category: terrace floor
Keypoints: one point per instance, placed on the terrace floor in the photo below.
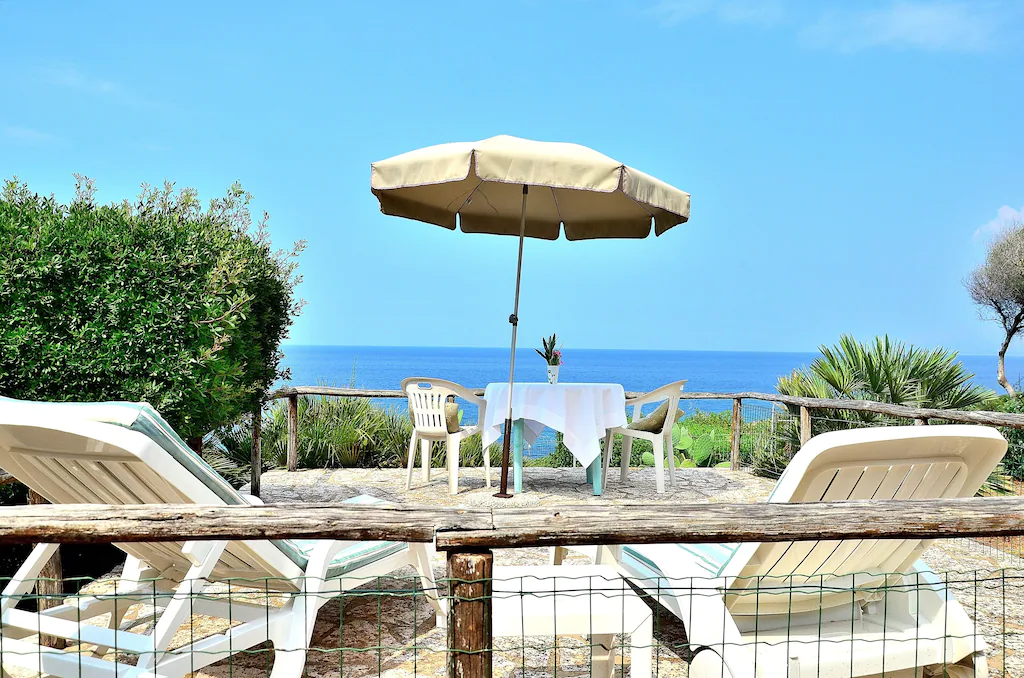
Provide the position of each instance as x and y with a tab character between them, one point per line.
541	485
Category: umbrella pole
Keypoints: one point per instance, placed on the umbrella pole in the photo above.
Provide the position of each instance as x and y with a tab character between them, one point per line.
514	319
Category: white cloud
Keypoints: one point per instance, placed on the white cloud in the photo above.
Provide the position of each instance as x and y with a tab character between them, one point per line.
955	25
27	135
72	78
1006	216
844	25
729	11
68	76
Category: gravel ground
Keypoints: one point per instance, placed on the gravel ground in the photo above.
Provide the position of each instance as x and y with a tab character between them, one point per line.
385	632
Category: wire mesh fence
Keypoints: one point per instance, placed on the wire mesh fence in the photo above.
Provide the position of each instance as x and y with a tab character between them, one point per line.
955	614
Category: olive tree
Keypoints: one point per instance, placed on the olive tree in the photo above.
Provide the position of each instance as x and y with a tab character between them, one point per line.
997	286
157	299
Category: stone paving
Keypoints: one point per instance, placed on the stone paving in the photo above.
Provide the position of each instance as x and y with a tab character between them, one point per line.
547	486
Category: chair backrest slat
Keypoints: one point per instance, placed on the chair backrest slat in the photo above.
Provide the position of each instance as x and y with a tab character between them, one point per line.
427	398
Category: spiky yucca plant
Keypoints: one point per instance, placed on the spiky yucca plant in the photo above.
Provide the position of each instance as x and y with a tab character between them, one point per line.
885	371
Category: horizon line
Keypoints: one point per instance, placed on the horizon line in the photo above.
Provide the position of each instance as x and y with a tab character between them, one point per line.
286	345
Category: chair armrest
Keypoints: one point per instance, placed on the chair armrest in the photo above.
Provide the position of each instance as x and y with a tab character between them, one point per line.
658	394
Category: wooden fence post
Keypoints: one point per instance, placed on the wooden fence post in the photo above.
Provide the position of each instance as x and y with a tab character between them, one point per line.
256	460
469	623
805	425
293	432
737	425
50	584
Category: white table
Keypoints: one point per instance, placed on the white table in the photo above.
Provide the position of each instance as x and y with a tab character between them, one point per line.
582	412
554	601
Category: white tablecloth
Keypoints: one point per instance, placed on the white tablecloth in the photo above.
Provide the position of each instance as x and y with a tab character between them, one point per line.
582	412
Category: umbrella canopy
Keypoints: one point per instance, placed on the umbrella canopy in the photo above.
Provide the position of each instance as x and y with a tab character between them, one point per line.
590	194
511	186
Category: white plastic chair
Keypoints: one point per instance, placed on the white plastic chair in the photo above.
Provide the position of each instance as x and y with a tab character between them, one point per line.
660	439
427	398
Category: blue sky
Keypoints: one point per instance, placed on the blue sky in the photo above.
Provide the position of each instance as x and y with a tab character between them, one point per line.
847	161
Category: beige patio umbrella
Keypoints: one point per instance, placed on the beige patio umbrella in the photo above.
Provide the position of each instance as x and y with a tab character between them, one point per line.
532	189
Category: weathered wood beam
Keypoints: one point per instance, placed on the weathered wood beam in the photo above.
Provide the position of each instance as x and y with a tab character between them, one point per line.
470	618
805	425
293	432
50	581
732	523
95	523
256	453
899	411
737	429
507	528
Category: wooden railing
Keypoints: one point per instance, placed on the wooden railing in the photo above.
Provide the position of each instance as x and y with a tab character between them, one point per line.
919	415
569	525
468	535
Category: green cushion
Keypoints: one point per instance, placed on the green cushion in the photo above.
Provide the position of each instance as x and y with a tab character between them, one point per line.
712	558
451	417
655	421
355	556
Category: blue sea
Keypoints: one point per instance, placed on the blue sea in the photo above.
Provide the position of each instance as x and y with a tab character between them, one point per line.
724	371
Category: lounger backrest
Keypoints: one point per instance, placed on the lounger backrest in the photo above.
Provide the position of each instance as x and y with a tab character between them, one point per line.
906	462
70	459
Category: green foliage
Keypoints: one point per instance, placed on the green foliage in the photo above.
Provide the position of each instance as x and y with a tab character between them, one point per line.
333	433
13	494
887	371
1013	462
338	432
997	286
769	444
228	450
552	354
707	432
155	300
705	438
882	371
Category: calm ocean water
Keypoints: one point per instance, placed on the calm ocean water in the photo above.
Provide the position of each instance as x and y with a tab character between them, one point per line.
725	371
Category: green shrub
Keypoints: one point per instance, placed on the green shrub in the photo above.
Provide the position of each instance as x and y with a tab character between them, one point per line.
711	433
333	433
13	494
337	432
1013	462
768	444
705	438
156	300
889	372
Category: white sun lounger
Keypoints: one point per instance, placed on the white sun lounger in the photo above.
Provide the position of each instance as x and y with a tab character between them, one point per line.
123	453
827	609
